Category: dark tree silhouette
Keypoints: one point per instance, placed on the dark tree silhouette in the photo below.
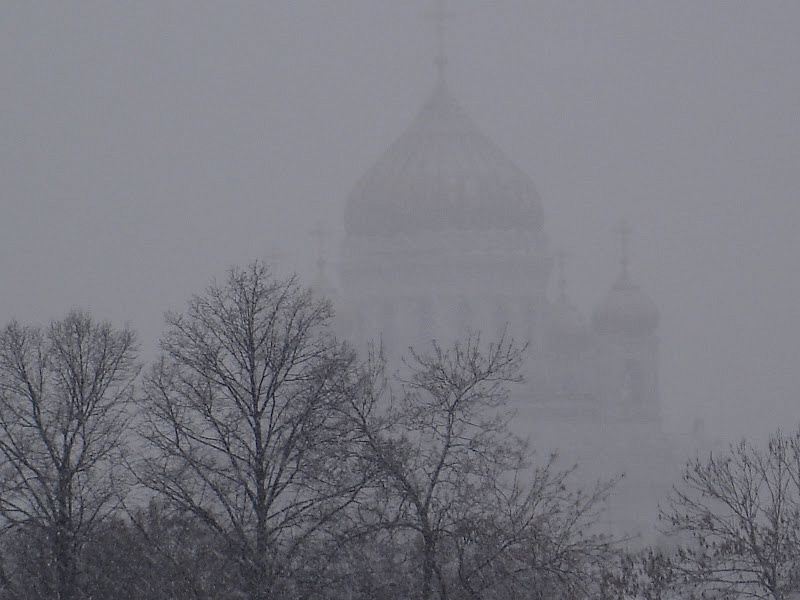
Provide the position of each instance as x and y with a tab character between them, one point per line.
246	422
738	513
457	488
64	399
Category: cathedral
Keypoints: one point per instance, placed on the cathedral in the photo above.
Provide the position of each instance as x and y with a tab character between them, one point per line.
444	235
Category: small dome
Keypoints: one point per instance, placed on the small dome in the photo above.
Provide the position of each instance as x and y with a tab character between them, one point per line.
566	327
626	310
442	174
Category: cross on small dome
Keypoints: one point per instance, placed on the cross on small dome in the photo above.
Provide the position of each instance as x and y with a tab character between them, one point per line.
440	16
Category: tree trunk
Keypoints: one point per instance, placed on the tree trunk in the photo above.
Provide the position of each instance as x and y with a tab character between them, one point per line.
64	559
429	569
427	577
64	543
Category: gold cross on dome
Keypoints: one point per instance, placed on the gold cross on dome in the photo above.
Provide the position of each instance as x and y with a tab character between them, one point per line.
624	231
440	16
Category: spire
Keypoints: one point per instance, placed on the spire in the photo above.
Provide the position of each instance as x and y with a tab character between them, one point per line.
626	310
440	16
624	231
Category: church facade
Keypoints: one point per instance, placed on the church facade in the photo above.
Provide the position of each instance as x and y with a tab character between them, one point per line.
444	235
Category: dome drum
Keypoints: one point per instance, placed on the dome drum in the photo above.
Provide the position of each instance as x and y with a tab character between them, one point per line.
442	175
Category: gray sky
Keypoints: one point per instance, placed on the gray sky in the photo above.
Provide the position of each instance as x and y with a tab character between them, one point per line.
145	147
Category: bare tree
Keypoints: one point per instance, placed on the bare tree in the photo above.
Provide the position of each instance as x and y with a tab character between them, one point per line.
64	397
739	513
537	537
443	446
157	553
465	506
245	419
646	574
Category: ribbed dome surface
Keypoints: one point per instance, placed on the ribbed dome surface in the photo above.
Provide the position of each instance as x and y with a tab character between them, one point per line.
626	310
442	174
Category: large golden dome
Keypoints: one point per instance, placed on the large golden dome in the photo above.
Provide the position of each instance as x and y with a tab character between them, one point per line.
442	174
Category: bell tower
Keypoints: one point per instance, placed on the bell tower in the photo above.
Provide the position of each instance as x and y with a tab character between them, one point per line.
626	347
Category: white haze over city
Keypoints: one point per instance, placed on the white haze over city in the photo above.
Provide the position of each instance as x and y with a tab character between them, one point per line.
146	147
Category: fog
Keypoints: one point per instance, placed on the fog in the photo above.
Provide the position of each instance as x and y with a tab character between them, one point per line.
146	147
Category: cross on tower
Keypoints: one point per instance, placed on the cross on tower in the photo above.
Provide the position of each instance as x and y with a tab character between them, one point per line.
624	231
320	233
440	16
